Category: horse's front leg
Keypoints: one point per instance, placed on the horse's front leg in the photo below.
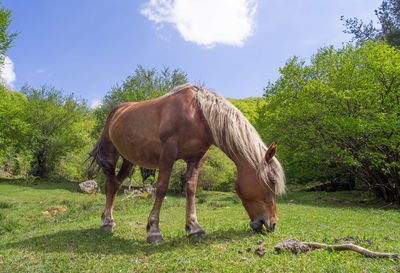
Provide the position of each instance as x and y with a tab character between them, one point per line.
192	175
167	159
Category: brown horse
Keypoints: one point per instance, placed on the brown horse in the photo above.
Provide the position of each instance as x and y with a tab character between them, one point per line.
183	124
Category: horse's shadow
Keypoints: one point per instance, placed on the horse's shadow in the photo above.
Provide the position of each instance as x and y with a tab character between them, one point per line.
97	241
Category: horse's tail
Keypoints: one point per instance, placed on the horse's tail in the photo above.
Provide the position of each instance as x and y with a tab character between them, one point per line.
98	160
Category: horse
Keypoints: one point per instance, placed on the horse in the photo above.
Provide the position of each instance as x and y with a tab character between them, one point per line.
183	124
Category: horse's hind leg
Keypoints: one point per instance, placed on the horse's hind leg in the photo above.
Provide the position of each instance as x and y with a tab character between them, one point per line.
193	169
113	184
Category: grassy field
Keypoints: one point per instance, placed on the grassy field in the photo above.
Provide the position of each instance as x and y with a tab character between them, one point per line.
72	242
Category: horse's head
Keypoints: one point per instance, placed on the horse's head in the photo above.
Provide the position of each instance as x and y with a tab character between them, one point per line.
258	197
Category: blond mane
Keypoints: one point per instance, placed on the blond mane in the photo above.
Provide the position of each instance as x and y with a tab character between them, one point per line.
233	133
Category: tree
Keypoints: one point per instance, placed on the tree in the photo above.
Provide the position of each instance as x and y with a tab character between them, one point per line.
285	117
340	114
12	119
57	126
13	128
248	107
6	38
388	15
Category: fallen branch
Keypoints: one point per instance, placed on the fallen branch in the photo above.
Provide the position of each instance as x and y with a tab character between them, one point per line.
296	246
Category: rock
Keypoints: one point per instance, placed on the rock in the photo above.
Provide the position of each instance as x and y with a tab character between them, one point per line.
150	190
89	186
259	242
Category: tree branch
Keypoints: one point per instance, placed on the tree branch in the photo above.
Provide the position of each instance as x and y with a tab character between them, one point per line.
296	246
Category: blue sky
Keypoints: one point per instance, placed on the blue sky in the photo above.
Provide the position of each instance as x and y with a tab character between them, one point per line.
232	46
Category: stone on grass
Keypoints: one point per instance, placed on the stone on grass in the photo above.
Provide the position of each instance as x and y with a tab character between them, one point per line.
89	186
150	190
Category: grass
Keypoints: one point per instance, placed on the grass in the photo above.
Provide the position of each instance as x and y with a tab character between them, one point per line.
72	242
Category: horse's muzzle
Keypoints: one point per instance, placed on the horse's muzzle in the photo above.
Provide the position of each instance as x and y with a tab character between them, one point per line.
260	224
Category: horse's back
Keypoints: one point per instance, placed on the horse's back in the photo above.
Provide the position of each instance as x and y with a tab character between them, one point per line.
138	130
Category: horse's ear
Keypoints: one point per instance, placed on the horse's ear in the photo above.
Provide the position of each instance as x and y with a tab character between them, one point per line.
269	154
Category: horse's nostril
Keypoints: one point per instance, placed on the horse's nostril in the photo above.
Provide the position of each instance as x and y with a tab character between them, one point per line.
257	225
273	225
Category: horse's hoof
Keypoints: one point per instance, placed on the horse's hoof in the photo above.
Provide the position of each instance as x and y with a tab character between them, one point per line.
197	234
107	228
154	237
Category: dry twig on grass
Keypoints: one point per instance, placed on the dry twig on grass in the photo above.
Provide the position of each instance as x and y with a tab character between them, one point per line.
296	246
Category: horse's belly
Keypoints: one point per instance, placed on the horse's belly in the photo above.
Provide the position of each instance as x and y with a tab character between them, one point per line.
145	154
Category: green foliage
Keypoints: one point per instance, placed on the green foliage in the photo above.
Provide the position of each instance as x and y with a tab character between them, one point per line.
43	132
248	107
13	130
57	124
12	120
178	177
142	85
339	114
388	15
71	165
6	38
218	172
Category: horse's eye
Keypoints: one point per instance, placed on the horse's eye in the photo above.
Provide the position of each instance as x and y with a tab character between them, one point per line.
272	179
272	182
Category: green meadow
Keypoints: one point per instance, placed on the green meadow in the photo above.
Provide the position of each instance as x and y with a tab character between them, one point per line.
71	241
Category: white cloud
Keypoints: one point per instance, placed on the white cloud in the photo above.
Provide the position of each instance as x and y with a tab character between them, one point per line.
7	74
95	103
205	22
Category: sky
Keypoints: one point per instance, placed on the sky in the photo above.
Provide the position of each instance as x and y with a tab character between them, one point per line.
234	47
